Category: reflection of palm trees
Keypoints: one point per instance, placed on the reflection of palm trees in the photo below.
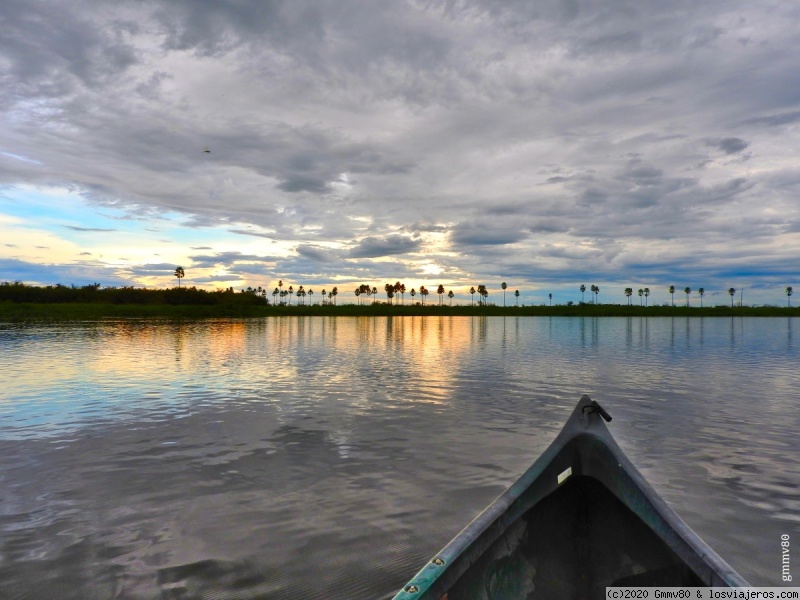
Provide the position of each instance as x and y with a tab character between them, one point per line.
732	292
179	273
504	286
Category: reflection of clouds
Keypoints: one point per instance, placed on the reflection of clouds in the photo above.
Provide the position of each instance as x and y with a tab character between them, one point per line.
297	442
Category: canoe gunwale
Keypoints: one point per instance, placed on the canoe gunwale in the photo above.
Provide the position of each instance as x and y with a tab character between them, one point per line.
586	446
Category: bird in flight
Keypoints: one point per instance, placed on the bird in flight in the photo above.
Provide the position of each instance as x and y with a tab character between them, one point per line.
206	150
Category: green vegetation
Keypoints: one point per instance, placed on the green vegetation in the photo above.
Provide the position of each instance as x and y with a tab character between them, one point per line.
20	302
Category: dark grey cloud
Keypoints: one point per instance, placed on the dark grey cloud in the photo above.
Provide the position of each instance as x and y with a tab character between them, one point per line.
375	247
486	234
730	145
316	253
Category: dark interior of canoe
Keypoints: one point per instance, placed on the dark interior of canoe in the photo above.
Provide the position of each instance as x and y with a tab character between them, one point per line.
573	544
581	518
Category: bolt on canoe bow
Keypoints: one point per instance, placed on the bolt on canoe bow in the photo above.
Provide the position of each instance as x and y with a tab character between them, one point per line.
581	518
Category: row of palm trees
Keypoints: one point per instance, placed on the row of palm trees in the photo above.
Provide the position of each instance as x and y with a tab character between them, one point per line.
395	290
399	289
645	292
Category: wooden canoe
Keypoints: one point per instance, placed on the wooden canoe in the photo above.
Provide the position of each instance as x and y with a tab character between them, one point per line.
581	518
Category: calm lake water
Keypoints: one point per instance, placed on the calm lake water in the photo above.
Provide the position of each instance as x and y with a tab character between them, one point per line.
329	458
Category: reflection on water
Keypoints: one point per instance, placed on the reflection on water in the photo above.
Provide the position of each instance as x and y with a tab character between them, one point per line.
330	457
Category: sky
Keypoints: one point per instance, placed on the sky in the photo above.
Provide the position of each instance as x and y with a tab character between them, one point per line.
544	143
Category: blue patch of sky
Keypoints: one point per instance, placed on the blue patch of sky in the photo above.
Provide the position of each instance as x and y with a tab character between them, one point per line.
59	211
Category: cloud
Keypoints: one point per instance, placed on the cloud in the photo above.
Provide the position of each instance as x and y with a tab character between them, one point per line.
315	253
375	247
730	145
440	135
475	234
76	228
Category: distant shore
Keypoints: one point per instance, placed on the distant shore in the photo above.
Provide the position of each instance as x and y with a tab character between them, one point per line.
24	311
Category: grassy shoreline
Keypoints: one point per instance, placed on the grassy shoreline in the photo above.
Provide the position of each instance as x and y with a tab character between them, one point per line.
16	312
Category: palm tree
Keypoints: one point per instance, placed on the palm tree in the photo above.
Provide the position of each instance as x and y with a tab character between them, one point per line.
551	299
310	293
179	273
789	296
701	292
628	294
482	293
358	293
646	295
403	293
275	293
504	286
596	290
413	293
450	295
687	291
423	291
324	295
516	295
472	294
672	293
374	292
583	289
335	292
440	291
389	289
732	292
641	294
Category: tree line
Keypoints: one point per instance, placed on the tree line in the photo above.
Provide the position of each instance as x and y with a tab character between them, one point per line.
92	294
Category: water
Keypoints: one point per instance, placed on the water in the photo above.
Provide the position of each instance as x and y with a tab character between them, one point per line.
331	457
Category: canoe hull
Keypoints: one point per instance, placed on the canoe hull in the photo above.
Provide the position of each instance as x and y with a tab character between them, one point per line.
579	519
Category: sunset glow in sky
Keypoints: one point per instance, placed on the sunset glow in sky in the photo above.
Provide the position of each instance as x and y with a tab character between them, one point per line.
547	144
